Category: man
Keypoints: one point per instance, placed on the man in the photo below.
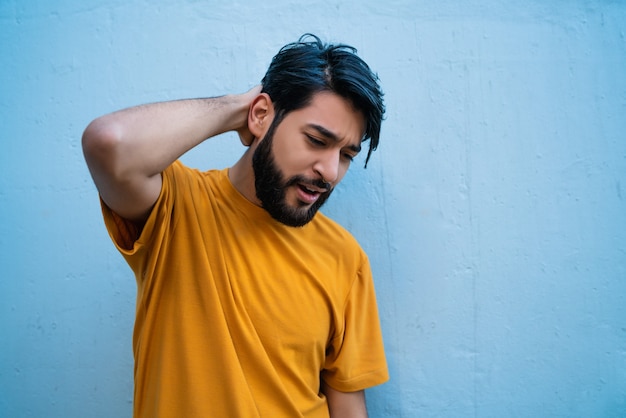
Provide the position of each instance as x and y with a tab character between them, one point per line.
250	303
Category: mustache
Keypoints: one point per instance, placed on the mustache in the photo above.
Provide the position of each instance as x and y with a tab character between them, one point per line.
319	183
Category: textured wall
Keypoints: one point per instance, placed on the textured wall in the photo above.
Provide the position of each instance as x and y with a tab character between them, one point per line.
494	211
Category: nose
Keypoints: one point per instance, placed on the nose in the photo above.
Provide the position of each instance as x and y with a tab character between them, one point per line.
327	167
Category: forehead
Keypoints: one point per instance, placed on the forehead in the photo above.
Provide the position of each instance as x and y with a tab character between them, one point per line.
334	114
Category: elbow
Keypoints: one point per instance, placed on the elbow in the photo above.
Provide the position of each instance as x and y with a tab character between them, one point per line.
100	139
102	143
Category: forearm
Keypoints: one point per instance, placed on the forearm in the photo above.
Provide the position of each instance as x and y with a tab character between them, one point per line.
345	404
144	140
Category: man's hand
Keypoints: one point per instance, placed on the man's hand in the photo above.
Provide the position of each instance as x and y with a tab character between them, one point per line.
245	136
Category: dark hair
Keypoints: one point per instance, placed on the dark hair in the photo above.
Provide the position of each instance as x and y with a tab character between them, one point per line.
304	68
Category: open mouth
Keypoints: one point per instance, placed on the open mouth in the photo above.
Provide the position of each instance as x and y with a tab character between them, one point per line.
308	190
309	193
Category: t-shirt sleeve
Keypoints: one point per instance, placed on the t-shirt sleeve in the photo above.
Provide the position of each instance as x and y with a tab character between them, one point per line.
136	242
355	358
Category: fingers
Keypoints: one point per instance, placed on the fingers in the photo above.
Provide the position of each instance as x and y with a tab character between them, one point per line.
246	137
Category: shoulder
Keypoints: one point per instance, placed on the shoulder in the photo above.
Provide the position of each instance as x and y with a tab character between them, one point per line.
181	178
336	239
178	171
331	228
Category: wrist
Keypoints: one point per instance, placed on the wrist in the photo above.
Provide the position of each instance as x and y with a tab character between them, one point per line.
233	109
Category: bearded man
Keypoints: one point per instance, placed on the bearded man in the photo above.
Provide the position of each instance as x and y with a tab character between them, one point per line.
250	302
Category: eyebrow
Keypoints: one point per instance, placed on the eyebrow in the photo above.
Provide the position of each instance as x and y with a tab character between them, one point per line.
332	136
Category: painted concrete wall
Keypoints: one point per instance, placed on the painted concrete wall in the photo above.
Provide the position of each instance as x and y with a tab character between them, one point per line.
494	211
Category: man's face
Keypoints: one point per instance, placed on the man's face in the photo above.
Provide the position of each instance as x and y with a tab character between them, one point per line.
298	164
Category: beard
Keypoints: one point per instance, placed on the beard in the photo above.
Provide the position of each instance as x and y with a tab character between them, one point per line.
271	186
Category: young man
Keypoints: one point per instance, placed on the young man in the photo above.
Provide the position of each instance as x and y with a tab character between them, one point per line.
250	303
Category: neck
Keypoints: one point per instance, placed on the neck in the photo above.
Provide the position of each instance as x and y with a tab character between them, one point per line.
241	175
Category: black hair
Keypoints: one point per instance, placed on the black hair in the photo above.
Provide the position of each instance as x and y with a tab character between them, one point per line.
306	67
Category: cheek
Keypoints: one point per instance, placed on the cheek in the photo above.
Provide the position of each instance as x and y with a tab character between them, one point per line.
291	158
343	169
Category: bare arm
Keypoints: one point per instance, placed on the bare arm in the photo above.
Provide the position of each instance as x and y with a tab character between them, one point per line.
127	150
345	404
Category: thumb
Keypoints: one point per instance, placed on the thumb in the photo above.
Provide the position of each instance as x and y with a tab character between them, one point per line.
245	136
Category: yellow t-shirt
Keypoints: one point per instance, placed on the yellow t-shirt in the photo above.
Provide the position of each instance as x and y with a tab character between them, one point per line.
239	315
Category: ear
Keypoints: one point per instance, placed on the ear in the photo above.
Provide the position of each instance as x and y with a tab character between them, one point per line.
261	115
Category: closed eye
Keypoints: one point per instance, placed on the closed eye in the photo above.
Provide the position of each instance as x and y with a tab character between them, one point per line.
348	157
315	141
350	152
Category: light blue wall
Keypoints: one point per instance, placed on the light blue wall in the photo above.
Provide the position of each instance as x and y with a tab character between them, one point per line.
494	211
